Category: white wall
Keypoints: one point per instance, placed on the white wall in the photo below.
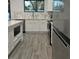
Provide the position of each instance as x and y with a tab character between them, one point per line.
35	23
17	10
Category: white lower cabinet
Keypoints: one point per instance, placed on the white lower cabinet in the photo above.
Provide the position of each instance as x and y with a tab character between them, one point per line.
12	39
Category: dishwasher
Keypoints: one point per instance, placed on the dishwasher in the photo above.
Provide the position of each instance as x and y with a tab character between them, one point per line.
50	27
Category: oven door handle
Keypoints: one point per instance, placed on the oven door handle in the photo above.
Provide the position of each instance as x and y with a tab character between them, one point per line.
63	39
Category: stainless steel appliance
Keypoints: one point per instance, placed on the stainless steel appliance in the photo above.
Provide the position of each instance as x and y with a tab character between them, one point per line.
23	24
61	32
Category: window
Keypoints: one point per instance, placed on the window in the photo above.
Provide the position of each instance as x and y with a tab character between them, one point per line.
34	5
58	5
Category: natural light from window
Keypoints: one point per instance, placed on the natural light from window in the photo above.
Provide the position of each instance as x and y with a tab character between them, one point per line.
34	5
58	5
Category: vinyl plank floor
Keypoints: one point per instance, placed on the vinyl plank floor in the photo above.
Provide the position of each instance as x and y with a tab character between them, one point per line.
34	46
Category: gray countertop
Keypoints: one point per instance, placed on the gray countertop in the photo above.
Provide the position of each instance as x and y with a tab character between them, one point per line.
14	22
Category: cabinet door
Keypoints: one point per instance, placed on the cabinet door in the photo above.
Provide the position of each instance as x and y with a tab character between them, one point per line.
10	40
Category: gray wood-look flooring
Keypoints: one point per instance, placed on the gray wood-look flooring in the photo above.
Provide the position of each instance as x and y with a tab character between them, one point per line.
34	46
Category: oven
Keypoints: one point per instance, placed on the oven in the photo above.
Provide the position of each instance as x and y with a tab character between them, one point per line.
61	45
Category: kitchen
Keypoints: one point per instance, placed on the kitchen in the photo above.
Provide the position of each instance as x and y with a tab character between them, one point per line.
31	19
